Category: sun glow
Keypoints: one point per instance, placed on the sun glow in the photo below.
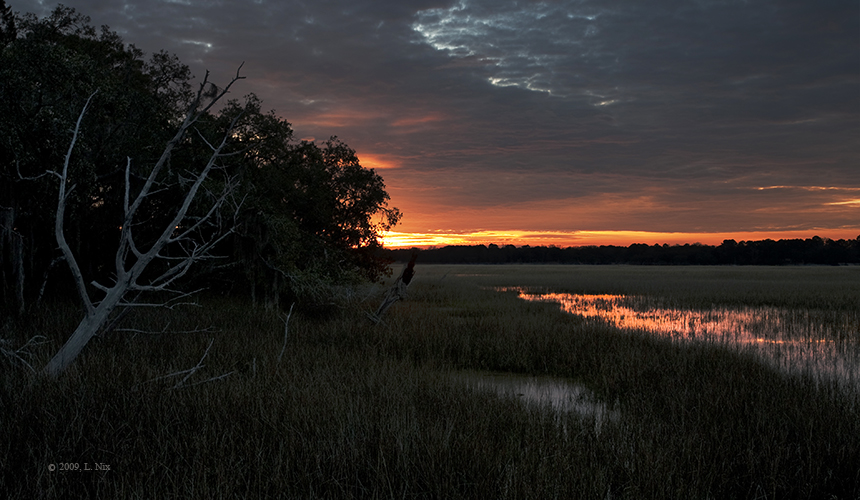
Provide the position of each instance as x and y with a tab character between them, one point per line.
377	162
395	239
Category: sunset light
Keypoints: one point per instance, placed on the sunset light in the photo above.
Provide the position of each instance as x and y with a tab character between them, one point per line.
539	123
395	239
377	162
489	249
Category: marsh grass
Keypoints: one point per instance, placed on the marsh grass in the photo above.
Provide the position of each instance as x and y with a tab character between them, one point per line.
355	410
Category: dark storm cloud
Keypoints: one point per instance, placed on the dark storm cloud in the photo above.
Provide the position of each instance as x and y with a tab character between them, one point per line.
689	106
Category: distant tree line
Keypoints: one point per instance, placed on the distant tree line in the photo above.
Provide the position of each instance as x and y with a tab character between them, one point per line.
815	250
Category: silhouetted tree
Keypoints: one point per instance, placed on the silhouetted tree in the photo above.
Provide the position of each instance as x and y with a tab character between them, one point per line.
46	73
814	250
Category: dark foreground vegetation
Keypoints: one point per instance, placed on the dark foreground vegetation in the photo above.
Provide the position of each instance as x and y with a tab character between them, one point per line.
815	250
355	410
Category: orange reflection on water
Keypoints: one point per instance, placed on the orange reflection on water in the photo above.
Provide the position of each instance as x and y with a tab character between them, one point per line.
792	339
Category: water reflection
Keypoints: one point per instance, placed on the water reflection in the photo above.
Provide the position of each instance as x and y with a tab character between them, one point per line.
796	340
560	394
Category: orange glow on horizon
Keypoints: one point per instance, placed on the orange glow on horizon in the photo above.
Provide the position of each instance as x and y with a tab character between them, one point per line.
394	239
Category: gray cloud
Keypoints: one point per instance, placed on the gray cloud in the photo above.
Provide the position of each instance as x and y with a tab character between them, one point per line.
495	105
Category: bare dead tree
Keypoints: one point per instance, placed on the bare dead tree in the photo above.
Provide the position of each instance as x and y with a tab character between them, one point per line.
181	231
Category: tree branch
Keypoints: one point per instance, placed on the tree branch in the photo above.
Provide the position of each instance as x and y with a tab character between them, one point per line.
60	216
128	274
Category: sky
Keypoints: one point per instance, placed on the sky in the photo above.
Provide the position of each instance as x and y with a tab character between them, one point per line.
564	122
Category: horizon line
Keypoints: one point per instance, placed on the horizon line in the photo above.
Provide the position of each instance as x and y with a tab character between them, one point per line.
437	239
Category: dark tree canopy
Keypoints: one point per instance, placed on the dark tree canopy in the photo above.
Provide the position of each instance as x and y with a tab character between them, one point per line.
310	210
313	215
47	71
8	31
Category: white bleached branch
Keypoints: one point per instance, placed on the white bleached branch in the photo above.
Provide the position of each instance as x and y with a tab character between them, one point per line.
131	260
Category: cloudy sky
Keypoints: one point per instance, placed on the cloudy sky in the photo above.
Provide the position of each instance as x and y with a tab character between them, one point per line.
553	122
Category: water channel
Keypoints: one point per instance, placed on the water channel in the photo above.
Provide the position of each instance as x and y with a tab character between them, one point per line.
825	344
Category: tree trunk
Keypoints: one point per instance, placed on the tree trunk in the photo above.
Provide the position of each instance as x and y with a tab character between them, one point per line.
87	328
